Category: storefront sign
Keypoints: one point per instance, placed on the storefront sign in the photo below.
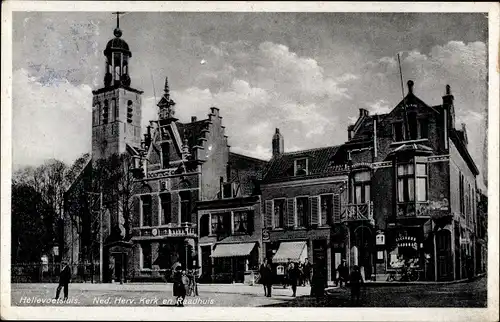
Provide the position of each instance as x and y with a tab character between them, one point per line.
464	240
380	239
265	234
280	270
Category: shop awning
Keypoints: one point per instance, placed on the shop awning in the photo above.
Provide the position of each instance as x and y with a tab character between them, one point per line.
295	251
233	250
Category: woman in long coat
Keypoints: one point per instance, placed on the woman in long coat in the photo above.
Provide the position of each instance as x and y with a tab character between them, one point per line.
180	285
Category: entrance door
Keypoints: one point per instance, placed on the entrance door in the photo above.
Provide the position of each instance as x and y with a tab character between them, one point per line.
443	250
206	263
120	261
363	240
239	269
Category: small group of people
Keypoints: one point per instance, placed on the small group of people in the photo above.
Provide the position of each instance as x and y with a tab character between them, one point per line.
184	283
295	274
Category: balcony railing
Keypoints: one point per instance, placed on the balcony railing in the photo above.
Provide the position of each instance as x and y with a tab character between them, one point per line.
183	230
358	212
421	210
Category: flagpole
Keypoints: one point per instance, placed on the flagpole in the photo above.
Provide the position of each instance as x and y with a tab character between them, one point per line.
406	127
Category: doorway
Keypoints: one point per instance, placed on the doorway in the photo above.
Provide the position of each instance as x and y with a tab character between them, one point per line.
443	252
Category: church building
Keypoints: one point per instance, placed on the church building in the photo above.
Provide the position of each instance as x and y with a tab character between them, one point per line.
148	219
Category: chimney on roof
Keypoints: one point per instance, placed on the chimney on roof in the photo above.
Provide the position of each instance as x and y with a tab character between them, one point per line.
350	128
448	106
464	134
193	119
410	86
278	143
363	112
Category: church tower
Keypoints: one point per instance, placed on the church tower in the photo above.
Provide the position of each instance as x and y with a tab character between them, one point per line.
116	116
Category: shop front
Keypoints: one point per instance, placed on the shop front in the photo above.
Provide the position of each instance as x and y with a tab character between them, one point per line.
406	253
294	251
235	262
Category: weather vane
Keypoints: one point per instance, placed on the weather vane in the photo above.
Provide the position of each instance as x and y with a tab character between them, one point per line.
118	13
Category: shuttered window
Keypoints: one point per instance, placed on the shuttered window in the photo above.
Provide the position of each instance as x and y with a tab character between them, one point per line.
315	218
336	208
268	222
290	213
279	213
326	202
302	211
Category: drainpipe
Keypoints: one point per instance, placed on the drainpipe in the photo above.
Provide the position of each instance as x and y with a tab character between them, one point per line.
435	253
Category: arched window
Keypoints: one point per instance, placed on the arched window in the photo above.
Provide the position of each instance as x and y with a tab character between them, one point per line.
105	112
114	106
129	111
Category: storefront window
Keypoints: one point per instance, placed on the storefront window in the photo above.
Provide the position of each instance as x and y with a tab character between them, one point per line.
405	253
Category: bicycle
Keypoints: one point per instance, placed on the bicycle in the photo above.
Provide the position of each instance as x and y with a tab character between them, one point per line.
407	274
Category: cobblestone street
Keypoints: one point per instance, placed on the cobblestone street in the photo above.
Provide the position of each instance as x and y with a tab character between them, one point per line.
469	294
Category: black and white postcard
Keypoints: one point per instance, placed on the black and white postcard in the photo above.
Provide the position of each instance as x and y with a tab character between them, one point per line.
192	160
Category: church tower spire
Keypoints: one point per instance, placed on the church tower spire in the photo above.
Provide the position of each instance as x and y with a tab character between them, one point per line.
116	116
166	104
117	55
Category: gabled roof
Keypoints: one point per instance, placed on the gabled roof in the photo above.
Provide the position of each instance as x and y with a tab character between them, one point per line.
192	131
320	163
365	129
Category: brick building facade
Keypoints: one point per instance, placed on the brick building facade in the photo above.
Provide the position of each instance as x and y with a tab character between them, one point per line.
173	166
412	171
402	189
302	193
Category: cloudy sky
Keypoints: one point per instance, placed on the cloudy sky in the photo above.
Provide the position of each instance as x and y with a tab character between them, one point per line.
305	73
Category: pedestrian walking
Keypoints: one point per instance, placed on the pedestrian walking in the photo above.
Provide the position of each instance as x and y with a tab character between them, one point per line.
265	277
318	280
355	281
342	273
286	277
64	279
293	276
300	269
307	272
181	282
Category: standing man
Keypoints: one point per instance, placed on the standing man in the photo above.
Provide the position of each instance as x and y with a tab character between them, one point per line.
264	276
356	280
293	276
307	272
64	279
343	273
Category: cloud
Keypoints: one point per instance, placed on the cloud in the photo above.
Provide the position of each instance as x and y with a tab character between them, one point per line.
379	107
50	119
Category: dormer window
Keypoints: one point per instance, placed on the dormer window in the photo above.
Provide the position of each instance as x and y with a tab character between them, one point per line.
419	129
301	167
398	132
